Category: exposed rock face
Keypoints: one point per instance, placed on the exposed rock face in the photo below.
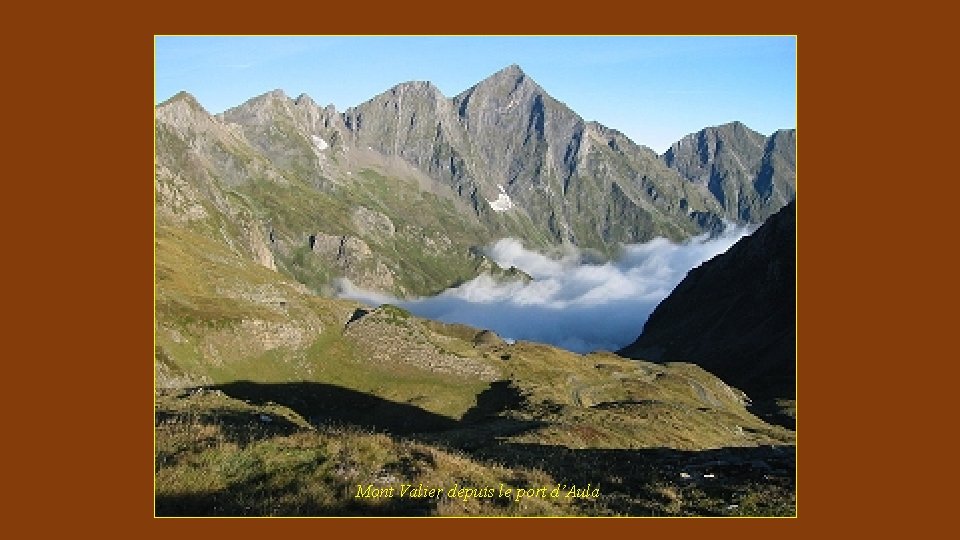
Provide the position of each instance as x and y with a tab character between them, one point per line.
177	200
260	249
198	159
355	259
373	223
488	337
750	175
509	148
735	315
297	135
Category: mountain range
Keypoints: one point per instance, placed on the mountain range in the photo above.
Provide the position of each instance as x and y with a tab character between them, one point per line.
398	193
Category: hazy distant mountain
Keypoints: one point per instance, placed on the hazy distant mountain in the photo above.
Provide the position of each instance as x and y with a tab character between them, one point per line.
735	315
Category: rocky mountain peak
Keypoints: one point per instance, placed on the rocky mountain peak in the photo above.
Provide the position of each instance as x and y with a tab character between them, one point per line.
425	88
522	162
184	98
305	100
751	175
184	112
513	72
408	96
273	97
260	109
785	139
509	85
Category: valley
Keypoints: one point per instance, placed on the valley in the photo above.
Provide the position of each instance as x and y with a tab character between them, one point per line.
277	395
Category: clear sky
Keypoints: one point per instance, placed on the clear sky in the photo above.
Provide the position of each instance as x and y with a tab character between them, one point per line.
653	89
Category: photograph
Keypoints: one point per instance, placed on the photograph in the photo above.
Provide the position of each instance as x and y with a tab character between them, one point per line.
475	276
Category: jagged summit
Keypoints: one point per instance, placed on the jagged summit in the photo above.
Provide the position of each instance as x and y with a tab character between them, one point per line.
305	99
508	81
513	72
269	97
419	86
183	97
184	113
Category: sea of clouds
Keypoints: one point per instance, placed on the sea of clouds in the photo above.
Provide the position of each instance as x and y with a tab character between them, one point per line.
572	302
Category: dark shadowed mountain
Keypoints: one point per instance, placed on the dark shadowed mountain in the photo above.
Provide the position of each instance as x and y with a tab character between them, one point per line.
735	316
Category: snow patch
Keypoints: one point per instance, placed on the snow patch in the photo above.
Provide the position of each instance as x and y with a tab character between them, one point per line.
503	202
320	143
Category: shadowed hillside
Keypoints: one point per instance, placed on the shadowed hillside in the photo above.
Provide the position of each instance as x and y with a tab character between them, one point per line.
735	316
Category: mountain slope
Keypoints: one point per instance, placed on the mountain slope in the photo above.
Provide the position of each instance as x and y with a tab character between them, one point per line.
735	315
277	184
273	401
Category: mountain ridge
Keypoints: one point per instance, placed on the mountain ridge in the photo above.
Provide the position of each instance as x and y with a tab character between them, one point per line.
509	158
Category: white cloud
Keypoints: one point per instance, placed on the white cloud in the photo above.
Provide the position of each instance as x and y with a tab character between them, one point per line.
572	303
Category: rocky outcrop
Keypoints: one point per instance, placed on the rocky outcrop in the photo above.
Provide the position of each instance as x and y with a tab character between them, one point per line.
373	224
390	336
260	248
488	338
354	258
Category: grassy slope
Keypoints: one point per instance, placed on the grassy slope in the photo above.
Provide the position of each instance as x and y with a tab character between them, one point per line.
217	456
212	459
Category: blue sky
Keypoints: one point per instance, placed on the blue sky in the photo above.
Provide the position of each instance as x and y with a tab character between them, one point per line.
653	89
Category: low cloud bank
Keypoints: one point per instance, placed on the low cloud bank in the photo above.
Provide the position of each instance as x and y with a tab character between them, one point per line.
572	303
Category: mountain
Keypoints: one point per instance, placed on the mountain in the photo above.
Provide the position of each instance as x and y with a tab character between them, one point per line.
530	166
750	175
287	193
399	193
735	316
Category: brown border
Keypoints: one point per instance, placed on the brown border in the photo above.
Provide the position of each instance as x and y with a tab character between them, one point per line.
81	115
